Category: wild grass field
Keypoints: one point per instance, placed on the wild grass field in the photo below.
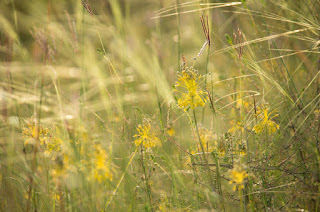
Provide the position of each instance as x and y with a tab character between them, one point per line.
169	105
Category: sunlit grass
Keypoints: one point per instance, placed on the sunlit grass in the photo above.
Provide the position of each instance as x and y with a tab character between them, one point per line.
129	106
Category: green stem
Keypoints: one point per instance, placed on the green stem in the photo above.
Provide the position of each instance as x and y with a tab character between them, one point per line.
241	201
210	179
266	169
178	21
145	166
219	178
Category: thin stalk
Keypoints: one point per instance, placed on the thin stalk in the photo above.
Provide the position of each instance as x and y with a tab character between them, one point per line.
195	177
287	71
241	201
119	182
175	198
264	183
205	81
37	127
144	164
179	40
160	116
215	156
219	179
61	202
34	159
250	182
83	89
210	179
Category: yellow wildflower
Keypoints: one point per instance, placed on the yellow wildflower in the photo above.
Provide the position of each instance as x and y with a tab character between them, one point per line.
34	132
164	204
207	140
53	146
266	122
170	131
192	95
206	137
61	166
238	175
222	152
242	152
146	136
236	127
239	148
101	165
243	104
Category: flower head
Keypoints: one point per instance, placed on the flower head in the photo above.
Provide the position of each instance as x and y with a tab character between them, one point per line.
191	94
266	122
239	148
170	131
54	144
238	175
101	165
145	136
208	141
61	166
236	127
34	132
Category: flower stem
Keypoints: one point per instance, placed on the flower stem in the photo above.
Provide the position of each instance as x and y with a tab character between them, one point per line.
241	202
210	179
145	167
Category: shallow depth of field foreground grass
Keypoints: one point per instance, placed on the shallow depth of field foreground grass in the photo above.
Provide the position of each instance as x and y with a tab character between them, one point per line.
131	105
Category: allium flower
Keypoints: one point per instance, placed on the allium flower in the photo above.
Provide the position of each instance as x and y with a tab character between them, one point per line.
146	136
191	94
238	175
266	122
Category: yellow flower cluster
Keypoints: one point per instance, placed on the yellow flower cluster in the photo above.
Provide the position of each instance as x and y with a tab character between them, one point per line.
209	143
53	145
61	166
64	164
207	140
101	165
236	127
191	95
222	152
49	142
145	136
243	104
266	122
170	131
239	148
34	132
237	175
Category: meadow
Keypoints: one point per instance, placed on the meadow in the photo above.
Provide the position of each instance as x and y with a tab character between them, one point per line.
169	105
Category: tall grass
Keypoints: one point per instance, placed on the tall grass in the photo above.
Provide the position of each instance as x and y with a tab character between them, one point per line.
97	111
